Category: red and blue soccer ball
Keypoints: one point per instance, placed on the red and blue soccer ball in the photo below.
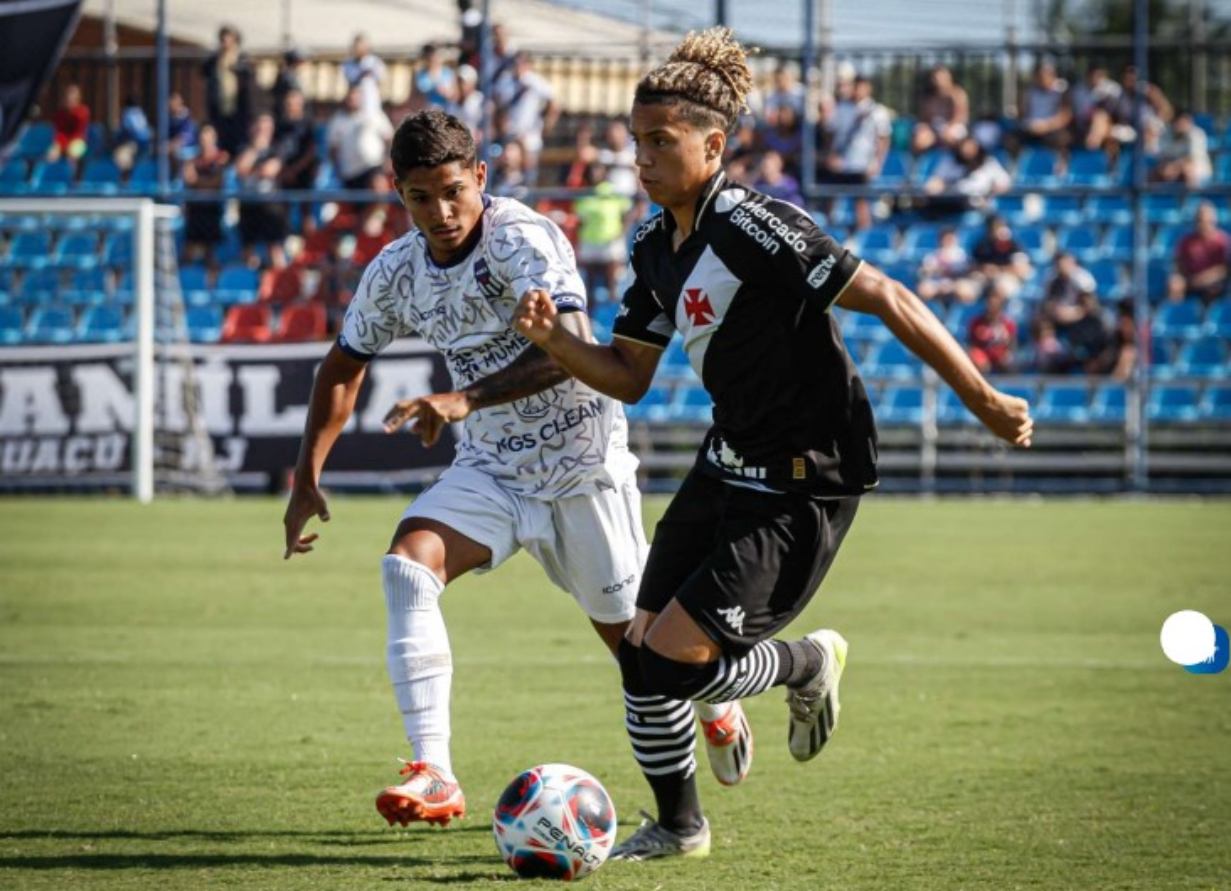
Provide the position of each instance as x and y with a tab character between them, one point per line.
554	821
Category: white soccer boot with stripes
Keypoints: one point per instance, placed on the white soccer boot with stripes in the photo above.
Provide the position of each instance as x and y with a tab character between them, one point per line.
652	841
728	743
814	706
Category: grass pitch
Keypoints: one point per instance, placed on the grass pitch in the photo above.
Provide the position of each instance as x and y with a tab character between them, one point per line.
179	708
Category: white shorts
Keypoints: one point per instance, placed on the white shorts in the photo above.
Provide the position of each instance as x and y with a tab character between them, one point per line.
592	546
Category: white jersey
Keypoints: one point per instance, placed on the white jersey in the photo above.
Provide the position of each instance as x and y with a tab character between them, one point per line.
568	440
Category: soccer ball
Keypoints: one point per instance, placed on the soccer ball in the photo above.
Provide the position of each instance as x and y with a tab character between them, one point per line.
554	821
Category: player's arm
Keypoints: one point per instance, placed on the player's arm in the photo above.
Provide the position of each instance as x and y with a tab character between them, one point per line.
871	291
622	370
333	399
532	372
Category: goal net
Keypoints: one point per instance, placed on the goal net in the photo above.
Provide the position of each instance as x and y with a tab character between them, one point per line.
98	379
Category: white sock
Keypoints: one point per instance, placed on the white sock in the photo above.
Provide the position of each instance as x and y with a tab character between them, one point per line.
419	659
711	711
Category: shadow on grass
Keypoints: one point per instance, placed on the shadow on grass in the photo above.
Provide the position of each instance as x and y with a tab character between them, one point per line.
206	861
322	836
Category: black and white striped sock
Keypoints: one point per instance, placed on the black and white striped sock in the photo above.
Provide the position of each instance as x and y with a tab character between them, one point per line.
662	733
753	673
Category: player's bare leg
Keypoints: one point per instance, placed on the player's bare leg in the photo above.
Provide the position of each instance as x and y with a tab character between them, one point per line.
423	557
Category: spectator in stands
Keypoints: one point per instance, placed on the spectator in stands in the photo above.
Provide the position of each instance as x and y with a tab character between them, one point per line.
228	89
290	77
992	336
944	275
1156	112
366	71
944	112
1065	285
469	106
972	173
295	146
1047	118
71	124
999	256
133	138
1201	259
258	168
785	138
774	181
358	141
503	58
435	81
585	153
743	150
988	130
1092	102
1183	154
619	157
858	131
182	133
1087	339
605	214
530	110
1048	353
1122	351
787	91
509	177
203	223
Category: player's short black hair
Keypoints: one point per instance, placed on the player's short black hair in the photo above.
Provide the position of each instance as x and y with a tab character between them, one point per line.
430	138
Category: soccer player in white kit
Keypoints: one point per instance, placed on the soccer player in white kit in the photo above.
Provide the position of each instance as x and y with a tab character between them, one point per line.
542	463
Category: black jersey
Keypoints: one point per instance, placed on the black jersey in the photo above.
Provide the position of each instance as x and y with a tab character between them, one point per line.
750	291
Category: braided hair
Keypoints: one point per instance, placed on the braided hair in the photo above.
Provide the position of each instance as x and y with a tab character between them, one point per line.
706	76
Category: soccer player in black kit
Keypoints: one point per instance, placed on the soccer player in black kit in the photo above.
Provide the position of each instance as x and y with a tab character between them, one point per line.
749	282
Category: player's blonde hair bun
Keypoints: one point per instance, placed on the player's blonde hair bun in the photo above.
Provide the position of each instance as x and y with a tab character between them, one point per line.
709	68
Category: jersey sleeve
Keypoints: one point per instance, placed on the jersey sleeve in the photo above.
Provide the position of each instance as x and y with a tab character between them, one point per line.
641	318
800	257
372	320
534	256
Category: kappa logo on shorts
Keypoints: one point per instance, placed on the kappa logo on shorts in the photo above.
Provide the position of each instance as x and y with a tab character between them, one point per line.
733	616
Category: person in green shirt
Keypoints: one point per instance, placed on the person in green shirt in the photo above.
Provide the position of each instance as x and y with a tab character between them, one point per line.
604	215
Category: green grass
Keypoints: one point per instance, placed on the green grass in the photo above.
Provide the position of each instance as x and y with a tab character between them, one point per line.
179	708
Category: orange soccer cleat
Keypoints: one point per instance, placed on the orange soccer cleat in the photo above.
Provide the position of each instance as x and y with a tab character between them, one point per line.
427	794
728	742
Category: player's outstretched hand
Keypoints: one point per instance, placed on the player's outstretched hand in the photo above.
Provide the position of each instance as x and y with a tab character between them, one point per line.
1008	417
428	414
535	317
306	502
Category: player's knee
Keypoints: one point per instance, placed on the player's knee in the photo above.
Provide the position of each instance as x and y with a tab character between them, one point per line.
666	677
409	584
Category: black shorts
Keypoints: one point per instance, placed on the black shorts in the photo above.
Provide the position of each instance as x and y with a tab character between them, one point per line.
742	563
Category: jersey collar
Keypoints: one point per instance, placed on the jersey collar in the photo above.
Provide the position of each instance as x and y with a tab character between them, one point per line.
463	257
711	188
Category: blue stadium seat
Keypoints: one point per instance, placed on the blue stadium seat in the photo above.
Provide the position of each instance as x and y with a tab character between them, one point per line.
1158	271
96	140
895	170
40	287
1082	242
1110	404
1162	364
1034	242
602	313
1165	241
1218	319
1206	357
1118	243
959	318
1162	208
35	141
862	327
1013	208
926	166
1107	276
51	178
654	405
842	213
951	411
920	240
892	360
101	324
901	405
14	177
1173	403
1222	169
30	250
1215	404
693	404
143	179
1109	209
89	286
204	323
903	271
118	250
1064	210
1036	167
1178	320
1063	404
1088	168
50	324
876	244
12	323
101	175
78	250
237	284
674	362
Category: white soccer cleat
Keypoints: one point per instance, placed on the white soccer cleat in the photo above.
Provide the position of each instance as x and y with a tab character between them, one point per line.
651	841
728	743
814	706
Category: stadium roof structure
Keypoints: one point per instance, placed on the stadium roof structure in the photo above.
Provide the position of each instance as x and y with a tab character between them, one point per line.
327	26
